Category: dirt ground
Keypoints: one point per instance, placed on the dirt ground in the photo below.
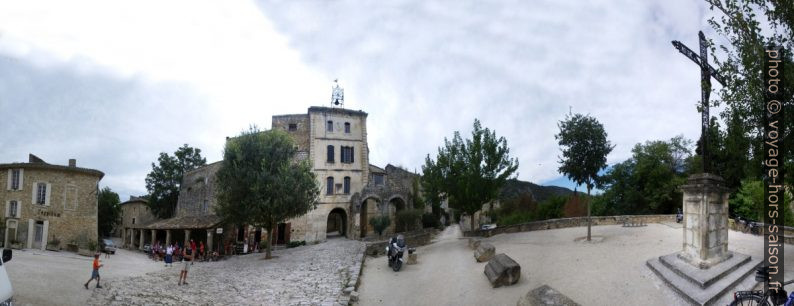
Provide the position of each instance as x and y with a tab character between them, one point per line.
57	278
610	272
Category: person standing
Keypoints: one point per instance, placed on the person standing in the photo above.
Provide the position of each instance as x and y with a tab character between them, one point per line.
192	249
201	250
94	272
187	257
169	256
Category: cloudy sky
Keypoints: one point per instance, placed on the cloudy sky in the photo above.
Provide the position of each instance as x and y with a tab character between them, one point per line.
114	83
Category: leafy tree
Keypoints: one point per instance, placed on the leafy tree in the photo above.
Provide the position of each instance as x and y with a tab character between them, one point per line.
749	202
469	173
261	183
109	211
164	180
585	147
379	224
748	26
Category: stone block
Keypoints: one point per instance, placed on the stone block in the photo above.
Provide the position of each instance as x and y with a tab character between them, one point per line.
502	270
354	296
411	259
484	252
545	295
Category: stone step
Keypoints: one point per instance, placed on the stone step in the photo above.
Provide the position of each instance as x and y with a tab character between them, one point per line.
696	294
703	278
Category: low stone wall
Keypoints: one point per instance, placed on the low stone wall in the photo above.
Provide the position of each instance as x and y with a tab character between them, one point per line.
569	222
412	239
756	229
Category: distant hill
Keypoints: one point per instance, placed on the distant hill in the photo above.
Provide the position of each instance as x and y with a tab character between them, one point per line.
514	188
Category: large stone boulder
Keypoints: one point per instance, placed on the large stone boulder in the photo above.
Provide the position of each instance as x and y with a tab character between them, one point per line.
484	252
545	296
474	243
502	270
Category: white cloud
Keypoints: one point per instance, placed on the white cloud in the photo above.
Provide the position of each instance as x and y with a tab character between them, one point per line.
122	81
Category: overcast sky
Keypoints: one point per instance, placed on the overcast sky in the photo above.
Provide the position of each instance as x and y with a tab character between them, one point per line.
113	83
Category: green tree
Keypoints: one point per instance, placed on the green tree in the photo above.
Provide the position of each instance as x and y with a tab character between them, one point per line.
166	176
469	173
585	147
261	183
109	211
416	195
747	27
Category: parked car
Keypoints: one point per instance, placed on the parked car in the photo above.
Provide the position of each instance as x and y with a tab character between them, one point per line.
6	292
107	246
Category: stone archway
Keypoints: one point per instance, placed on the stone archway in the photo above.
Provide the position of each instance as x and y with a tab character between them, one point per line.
369	208
398	203
336	224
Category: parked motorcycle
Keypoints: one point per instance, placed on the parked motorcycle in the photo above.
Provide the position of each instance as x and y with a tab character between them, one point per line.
394	251
679	216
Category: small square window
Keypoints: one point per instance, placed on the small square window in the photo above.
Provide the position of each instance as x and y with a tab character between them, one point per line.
293	127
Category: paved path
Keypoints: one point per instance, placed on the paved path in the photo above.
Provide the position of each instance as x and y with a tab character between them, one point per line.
307	275
611	272
57	278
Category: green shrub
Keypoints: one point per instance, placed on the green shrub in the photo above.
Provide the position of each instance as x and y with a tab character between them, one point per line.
551	208
516	218
430	220
407	219
380	223
92	245
295	243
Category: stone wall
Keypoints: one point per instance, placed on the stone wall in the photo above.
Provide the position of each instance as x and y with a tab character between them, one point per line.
197	191
69	213
301	134
412	239
569	222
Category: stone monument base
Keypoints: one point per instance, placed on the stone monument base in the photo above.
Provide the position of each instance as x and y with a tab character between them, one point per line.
703	286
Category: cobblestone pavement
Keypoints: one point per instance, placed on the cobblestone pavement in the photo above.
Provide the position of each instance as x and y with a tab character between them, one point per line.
307	275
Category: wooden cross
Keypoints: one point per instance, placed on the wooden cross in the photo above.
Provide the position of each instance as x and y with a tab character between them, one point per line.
706	73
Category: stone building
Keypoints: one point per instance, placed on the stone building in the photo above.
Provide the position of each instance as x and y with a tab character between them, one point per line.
334	141
195	216
135	216
45	203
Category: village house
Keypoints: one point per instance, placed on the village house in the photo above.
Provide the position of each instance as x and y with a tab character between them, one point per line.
135	216
45	203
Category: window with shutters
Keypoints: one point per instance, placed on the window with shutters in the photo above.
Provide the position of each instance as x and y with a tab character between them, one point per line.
329	185
347	127
41	193
347	185
347	155
329	126
378	178
15	174
13	209
330	153
70	198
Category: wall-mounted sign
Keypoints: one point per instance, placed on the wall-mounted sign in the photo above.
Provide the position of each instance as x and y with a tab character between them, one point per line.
45	213
219	230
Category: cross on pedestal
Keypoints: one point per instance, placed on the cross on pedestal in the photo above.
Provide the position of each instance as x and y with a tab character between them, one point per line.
706	73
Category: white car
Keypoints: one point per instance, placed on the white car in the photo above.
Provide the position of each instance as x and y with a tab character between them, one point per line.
6	292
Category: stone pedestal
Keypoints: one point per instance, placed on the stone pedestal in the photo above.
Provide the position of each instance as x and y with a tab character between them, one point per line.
704	270
705	221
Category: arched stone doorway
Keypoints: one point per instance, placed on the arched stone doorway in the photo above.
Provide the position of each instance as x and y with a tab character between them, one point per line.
369	208
398	203
337	223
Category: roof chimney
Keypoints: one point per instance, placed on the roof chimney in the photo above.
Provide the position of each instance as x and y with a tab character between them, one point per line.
72	162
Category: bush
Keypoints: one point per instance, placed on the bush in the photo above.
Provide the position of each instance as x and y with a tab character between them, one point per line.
380	224
294	244
92	245
516	218
407	219
549	209
430	220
